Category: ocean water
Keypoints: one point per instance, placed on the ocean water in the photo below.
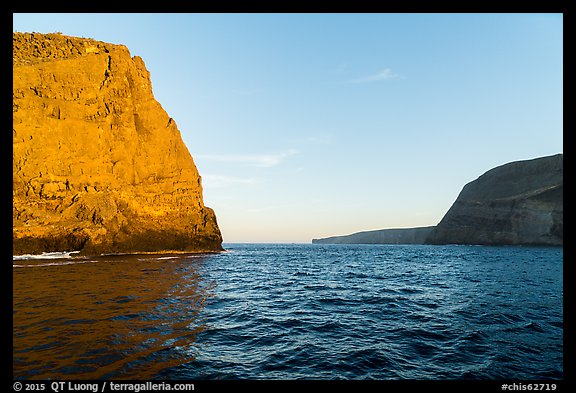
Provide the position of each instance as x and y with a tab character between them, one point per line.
285	311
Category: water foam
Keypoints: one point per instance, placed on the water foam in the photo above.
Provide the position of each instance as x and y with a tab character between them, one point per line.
45	255
57	257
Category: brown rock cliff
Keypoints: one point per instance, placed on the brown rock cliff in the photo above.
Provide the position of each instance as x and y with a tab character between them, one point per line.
98	165
518	203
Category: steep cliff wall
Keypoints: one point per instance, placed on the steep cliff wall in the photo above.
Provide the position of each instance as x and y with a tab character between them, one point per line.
383	236
98	165
517	203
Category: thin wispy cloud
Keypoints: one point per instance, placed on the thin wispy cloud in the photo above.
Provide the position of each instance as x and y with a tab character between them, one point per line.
383	75
264	209
340	69
219	181
258	160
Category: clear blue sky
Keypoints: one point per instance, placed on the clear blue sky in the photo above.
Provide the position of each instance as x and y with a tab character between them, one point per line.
313	125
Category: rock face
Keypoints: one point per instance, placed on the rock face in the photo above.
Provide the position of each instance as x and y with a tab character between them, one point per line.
98	165
517	203
382	236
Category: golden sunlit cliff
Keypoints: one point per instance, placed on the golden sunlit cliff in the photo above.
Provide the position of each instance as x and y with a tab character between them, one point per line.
98	165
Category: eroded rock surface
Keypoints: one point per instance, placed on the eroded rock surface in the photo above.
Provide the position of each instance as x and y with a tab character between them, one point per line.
98	165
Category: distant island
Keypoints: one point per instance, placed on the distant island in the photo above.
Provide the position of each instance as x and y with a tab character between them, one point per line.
518	203
381	236
98	165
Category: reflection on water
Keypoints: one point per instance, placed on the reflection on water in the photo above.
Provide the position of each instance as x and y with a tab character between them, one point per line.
107	317
304	311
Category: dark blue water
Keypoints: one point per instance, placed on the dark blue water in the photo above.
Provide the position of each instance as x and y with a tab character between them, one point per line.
293	312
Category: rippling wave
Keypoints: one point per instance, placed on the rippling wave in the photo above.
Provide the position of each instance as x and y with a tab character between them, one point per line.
293	312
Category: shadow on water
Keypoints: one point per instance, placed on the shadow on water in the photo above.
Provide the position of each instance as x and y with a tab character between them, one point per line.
107	317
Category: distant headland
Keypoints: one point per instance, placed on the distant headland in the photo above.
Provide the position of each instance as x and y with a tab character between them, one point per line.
518	203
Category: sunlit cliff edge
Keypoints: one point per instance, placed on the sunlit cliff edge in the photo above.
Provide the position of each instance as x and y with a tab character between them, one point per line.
98	165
